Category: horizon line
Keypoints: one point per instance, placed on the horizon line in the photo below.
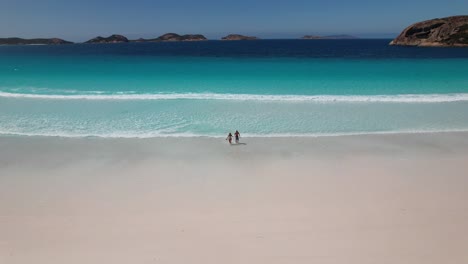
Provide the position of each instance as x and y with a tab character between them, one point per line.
320	37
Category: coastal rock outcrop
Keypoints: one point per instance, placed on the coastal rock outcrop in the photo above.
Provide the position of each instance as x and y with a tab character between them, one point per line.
439	32
37	41
112	39
238	37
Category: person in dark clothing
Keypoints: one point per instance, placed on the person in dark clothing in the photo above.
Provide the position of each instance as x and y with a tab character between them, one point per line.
237	134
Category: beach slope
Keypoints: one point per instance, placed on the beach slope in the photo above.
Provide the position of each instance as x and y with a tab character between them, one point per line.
350	199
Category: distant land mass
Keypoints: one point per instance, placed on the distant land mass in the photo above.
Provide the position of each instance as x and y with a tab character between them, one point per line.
439	32
112	39
329	37
37	41
238	37
174	37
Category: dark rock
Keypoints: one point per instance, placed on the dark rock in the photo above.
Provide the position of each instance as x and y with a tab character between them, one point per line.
439	32
38	41
238	37
111	39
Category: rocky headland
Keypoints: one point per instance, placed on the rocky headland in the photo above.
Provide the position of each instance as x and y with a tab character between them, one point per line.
238	37
37	41
439	32
112	39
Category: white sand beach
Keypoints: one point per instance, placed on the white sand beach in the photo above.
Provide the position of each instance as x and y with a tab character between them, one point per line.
350	199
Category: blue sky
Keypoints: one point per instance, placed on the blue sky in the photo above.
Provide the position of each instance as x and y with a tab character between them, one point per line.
79	20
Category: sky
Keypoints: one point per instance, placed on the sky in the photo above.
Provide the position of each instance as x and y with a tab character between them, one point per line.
80	20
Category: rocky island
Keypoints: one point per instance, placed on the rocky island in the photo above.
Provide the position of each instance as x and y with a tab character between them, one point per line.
112	39
174	37
439	32
238	37
177	37
37	41
329	37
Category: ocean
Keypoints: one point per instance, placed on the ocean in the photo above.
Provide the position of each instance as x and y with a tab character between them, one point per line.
262	88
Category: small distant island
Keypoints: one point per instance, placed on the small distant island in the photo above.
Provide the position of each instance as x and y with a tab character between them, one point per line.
329	37
166	37
174	37
37	41
439	32
177	37
112	39
238	37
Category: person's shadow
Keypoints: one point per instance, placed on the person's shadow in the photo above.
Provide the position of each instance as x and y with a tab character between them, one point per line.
239	144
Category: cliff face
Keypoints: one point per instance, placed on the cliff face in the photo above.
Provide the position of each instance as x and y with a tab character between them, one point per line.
38	41
238	37
439	32
111	39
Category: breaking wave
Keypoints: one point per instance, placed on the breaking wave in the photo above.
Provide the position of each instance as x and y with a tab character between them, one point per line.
192	135
401	98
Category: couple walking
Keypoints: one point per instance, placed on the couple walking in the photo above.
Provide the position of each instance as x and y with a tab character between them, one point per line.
229	137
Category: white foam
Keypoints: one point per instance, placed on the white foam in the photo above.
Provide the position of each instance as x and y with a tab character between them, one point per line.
109	135
402	98
246	135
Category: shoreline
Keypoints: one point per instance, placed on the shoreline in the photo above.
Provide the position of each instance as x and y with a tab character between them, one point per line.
250	136
212	149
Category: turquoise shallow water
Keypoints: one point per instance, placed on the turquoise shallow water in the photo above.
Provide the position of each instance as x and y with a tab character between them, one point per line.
133	92
291	76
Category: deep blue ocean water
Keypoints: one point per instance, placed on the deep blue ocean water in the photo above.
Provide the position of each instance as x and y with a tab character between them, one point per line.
262	88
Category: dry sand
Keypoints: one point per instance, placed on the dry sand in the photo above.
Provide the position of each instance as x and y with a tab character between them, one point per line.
349	200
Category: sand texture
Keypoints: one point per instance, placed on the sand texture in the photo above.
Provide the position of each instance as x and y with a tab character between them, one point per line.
396	199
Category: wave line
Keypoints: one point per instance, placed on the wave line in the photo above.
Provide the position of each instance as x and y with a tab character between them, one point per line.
195	135
400	98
